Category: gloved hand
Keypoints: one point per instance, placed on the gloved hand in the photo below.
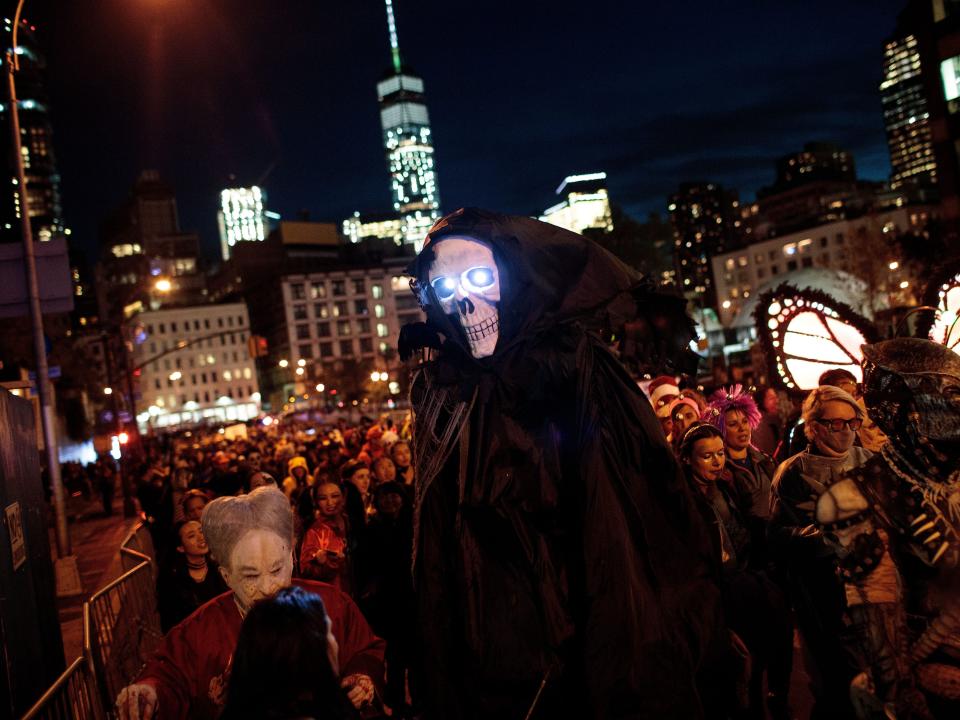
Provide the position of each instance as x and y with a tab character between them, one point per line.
414	337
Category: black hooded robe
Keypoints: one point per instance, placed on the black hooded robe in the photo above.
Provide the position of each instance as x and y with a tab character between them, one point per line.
558	549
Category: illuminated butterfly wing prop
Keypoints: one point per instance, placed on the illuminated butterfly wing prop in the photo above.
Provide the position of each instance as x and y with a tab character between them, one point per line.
943	293
806	332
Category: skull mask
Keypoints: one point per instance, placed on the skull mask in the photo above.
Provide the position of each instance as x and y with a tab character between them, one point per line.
466	281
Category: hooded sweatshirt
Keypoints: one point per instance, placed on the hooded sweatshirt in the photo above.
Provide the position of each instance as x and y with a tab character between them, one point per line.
290	482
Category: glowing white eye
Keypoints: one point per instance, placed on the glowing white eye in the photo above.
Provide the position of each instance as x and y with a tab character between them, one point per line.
444	287
479	277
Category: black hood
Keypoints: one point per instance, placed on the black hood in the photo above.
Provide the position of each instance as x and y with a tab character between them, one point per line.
548	276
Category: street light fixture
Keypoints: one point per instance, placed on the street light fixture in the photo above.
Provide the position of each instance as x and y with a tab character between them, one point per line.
108	391
283	363
176	375
300	371
163	285
320	387
301	362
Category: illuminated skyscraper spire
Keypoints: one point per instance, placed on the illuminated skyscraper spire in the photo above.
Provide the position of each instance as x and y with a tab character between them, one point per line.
394	43
408	143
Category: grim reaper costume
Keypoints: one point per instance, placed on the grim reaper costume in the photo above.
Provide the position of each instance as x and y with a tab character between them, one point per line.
908	497
561	566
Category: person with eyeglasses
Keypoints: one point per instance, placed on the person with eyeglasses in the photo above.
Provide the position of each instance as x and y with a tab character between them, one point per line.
807	561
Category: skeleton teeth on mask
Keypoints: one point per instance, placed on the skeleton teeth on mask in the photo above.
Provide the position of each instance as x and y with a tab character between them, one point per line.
488	327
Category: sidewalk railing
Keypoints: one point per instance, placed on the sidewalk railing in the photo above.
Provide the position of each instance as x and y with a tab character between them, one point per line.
121	630
75	695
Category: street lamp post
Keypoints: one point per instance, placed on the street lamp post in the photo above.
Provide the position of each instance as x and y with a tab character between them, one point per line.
44	388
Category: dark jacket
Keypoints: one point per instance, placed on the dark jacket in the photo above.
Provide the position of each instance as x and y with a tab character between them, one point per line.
179	594
752	480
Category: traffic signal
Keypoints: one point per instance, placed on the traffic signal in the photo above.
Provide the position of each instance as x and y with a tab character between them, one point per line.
257	346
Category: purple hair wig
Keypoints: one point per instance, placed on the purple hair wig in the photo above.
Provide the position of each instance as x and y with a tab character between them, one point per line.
732	398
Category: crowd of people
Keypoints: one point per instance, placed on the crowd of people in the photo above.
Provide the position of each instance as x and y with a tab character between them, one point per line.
759	467
756	464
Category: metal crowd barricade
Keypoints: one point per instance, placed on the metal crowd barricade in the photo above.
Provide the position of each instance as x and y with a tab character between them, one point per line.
75	695
124	628
136	547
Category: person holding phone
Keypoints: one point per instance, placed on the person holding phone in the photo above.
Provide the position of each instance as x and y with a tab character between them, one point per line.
326	550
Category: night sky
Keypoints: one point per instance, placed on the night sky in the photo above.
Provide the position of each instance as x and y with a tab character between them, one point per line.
520	95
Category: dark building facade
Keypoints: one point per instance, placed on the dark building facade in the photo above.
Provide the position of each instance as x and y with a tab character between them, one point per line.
706	222
144	255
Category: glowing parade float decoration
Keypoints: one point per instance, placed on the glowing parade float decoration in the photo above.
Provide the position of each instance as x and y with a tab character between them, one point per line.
943	294
805	332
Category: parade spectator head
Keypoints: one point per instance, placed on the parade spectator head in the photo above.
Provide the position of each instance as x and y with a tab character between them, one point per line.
662	390
261	479
193	502
831	418
357	473
696	396
684	412
702	453
297	468
286	664
735	414
843	379
389	498
768	400
221	461
251	537
254	460
400	453
384	470
190	540
328	497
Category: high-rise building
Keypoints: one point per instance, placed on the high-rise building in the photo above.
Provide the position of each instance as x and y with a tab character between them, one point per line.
146	261
906	115
814	185
817	161
585	204
408	141
242	217
706	222
36	137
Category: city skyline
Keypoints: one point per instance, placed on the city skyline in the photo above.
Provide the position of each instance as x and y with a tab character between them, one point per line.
514	106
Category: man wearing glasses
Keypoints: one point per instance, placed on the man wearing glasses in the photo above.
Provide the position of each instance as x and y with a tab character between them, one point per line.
807	561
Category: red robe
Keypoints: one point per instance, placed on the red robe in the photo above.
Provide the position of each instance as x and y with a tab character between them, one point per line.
325	536
191	668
